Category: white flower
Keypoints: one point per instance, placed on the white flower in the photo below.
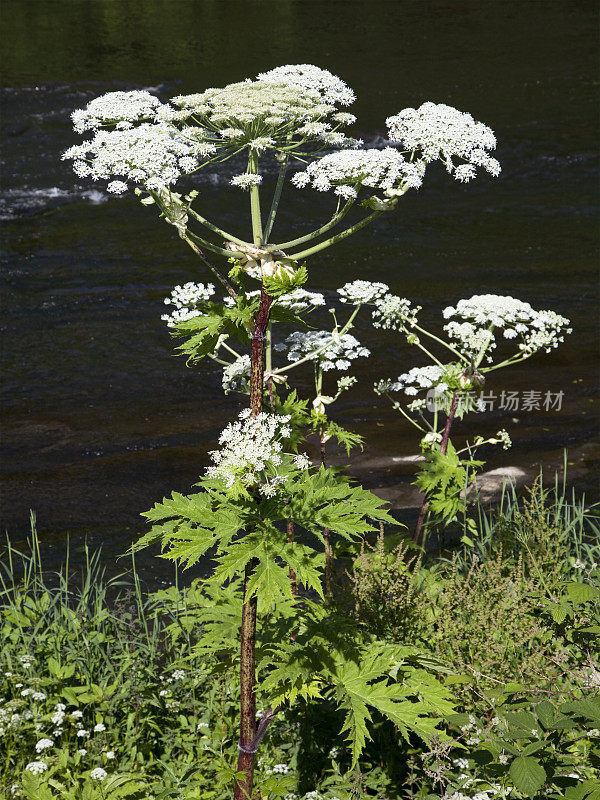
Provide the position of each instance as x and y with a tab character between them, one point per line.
37	767
461	763
392	313
43	744
415	380
277	769
236	376
98	774
82	733
178	674
113	107
360	292
262	143
503	758
302	461
300	300
482	313
110	755
150	154
77	714
246	180
331	350
37	696
82	751
99	727
385	169
202	725
249	446
117	187
438	131
329	87
185	299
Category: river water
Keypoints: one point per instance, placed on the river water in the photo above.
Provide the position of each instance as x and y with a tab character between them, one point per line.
100	419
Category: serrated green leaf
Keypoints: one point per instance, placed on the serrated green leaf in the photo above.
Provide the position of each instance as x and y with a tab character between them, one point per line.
527	774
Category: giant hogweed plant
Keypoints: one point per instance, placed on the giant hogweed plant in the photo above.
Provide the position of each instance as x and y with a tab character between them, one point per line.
259	484
450	386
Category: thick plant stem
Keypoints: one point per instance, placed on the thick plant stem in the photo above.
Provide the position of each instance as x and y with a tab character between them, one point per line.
250	733
247	749
443	449
326	532
292	574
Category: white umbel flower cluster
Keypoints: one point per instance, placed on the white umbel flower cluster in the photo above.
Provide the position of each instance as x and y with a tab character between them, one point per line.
392	313
307	77
414	380
116	109
37	767
439	131
290	101
358	293
537	330
151	155
250	446
246	180
301	300
331	350
346	171
236	376
185	298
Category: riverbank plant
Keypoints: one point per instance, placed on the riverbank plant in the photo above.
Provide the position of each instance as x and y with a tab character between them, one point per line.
261	489
445	390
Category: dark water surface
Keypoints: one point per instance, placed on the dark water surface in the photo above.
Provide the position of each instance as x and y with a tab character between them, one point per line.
100	420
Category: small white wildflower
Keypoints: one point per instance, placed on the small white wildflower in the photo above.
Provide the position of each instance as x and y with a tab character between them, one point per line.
503	758
98	774
38	696
359	292
202	725
116	187
246	180
178	674
77	714
332	352
461	763
301	300
44	744
37	767
392	313
99	727
250	445
302	461
82	732
578	564
110	755
82	751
